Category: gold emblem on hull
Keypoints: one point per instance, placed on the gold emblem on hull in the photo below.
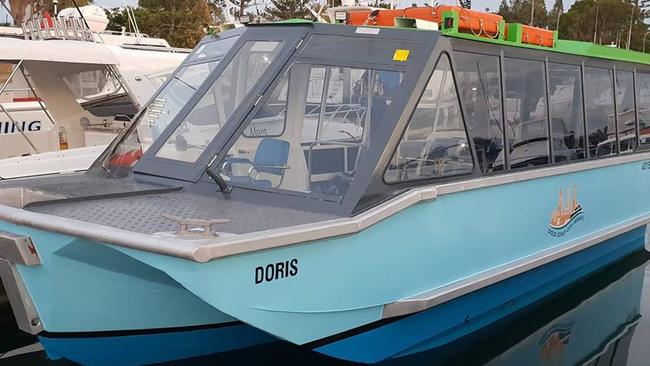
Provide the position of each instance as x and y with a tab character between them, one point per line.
567	212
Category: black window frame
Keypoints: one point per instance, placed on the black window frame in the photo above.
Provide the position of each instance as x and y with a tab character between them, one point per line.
151	164
640	146
499	58
634	104
506	162
245	122
549	56
98	164
611	71
448	54
585	147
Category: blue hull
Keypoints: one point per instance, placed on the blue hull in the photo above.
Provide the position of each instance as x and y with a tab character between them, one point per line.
163	346
433	328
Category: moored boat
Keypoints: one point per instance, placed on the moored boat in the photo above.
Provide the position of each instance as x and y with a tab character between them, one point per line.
366	192
66	91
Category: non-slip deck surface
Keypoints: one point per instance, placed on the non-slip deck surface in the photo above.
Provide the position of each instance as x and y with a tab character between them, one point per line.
80	185
143	213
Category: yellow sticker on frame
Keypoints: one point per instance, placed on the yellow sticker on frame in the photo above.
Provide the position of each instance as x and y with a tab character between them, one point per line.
401	55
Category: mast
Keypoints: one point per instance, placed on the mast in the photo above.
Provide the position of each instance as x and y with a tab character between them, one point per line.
532	12
596	25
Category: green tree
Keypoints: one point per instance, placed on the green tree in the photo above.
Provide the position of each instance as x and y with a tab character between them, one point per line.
520	12
385	4
554	15
180	22
21	9
609	20
117	18
504	10
288	9
242	4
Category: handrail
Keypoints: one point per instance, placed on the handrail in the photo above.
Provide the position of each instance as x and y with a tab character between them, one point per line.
128	34
61	28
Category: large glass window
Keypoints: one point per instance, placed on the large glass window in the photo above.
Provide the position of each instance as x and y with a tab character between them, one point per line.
205	120
643	107
567	121
526	120
626	118
164	108
480	90
213	49
434	144
328	119
269	120
599	99
157	115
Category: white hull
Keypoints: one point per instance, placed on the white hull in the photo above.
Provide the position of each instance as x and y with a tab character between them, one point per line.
62	161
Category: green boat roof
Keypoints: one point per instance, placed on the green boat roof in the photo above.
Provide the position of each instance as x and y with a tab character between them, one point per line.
578	48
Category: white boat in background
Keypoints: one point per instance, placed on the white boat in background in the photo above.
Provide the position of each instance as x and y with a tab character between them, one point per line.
67	90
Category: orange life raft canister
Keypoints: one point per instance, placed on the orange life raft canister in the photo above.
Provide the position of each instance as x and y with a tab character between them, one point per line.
537	36
470	21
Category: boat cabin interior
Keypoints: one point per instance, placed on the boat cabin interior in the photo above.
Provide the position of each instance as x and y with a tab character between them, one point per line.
277	124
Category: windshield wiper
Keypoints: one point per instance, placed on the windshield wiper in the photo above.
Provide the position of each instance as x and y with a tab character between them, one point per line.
221	183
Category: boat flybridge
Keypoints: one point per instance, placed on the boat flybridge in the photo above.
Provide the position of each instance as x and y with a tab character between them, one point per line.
360	190
65	96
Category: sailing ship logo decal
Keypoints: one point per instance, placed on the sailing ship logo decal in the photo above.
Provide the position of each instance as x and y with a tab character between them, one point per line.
566	214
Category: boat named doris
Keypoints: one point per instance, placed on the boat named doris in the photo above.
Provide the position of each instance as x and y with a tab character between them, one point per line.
368	192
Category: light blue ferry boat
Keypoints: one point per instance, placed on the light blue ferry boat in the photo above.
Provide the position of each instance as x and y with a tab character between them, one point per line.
366	192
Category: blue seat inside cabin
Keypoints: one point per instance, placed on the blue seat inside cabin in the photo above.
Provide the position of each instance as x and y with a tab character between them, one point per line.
271	157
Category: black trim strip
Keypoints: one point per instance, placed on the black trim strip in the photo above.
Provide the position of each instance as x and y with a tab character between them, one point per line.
123	333
354	331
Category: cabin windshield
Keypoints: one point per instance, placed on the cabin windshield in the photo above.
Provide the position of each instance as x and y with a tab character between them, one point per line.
167	103
314	129
213	110
284	113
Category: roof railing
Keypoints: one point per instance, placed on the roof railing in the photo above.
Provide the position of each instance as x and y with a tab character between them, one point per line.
41	28
124	33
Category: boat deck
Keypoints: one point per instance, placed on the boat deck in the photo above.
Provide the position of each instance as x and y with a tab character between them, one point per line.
80	185
144	213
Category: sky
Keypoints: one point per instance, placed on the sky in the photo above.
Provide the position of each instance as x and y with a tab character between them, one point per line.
493	5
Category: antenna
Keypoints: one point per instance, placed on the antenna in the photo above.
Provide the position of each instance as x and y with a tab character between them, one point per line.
80	13
131	15
532	12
